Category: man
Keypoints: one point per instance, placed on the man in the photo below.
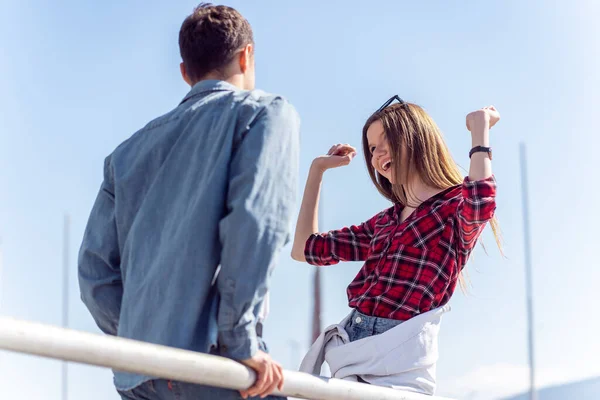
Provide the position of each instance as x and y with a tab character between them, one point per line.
211	183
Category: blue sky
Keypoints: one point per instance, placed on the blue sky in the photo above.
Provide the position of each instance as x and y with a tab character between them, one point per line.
79	77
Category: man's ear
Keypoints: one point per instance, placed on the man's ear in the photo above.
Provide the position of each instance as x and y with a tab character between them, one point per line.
246	57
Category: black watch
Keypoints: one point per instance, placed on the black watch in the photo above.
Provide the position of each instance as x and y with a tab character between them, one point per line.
481	149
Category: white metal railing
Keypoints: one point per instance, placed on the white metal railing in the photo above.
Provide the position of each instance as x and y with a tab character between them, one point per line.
176	364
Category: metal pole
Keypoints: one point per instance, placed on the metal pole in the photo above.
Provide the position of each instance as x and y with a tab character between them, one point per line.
528	280
316	318
176	364
65	299
316	322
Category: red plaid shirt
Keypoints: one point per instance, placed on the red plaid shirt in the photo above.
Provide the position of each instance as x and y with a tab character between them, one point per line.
411	267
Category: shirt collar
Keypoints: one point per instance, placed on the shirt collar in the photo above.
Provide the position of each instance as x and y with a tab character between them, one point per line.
444	194
209	86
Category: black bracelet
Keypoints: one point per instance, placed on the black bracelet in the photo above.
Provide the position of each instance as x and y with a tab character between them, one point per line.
481	149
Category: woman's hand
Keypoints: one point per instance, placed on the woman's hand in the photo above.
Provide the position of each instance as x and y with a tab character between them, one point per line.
479	119
338	156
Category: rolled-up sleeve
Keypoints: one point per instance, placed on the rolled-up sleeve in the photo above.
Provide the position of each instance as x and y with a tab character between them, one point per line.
476	208
260	206
99	270
346	244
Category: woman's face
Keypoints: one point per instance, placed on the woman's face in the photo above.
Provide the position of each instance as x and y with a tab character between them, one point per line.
381	159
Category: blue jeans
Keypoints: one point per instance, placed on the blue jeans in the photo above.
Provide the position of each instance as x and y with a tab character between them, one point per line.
161	389
360	326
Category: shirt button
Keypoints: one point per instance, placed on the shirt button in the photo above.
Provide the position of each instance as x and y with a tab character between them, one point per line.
358	320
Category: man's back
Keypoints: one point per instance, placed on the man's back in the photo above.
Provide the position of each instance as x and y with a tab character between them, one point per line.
211	183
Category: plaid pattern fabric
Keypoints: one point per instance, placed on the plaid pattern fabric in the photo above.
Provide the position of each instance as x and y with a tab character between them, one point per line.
413	266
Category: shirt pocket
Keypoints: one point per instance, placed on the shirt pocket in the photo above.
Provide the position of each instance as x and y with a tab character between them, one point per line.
415	245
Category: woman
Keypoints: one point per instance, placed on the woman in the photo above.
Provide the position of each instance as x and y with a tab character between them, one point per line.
414	251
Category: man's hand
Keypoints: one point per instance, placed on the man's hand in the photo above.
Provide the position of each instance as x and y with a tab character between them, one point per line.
269	375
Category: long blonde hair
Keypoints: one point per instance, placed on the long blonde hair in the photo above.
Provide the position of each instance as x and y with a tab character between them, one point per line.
417	147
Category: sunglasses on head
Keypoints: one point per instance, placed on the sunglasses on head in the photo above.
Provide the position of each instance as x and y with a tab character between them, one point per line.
390	101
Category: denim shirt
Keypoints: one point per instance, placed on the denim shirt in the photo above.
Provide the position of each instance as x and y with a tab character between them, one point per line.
190	217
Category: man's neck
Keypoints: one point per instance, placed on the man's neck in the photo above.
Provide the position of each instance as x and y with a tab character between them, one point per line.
236	80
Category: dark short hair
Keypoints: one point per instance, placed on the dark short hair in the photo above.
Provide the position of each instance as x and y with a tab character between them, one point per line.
210	37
